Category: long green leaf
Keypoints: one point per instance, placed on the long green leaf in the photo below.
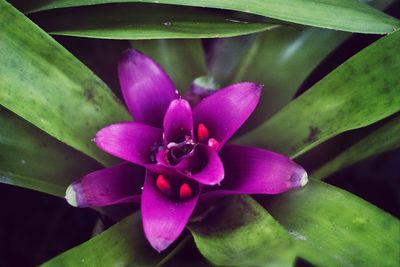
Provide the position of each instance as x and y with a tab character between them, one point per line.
363	90
354	15
30	158
123	244
385	138
241	233
272	57
145	21
43	83
220	60
183	60
335	228
279	54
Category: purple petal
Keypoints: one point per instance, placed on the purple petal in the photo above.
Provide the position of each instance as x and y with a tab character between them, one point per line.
178	122
147	89
226	110
205	166
117	184
257	171
163	219
131	141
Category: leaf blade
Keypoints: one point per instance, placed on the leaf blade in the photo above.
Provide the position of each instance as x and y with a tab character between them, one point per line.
385	138
355	16
339	229
44	84
31	159
330	108
238	235
133	21
123	244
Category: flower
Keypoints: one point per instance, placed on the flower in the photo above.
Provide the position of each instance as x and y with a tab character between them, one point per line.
178	153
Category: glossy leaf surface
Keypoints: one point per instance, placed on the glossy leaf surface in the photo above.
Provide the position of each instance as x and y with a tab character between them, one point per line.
363	90
354	15
43	83
123	244
143	21
332	227
242	233
32	159
272	57
385	138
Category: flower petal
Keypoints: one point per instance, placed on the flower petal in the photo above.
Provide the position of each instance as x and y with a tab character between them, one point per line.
178	122
131	141
257	171
118	184
226	110
163	218
146	87
205	166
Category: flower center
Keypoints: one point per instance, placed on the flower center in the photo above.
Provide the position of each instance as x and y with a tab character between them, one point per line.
177	189
178	151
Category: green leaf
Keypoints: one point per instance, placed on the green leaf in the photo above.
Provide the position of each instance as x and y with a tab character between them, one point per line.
354	15
226	55
30	158
242	233
146	21
183	60
273	56
43	83
363	90
123	244
279	54
335	228
385	138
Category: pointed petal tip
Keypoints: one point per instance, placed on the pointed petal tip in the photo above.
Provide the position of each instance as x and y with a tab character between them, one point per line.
70	195
253	86
180	101
160	244
304	179
298	179
129	55
97	138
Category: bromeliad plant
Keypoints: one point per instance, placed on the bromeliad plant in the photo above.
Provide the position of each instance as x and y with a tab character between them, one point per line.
197	159
183	165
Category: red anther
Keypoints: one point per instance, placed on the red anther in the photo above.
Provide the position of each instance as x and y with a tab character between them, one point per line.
163	184
213	143
202	132
185	191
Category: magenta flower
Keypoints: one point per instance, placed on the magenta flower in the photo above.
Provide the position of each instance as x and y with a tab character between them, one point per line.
176	155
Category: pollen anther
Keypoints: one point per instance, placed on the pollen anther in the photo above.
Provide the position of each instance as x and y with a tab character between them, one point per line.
163	184
213	143
202	132
185	191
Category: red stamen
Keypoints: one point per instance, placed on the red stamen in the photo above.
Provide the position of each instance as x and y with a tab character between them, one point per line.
213	143
202	132
185	191
163	184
